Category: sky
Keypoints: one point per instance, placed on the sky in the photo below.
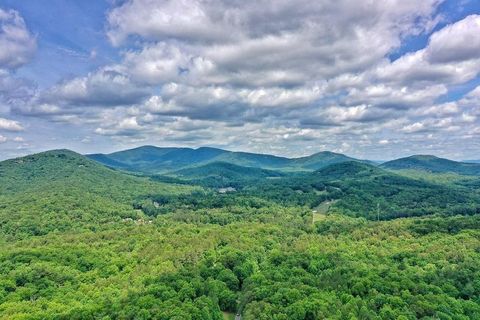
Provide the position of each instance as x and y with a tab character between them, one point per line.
371	79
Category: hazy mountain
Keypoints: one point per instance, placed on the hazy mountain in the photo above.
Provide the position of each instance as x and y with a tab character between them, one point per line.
152	159
321	159
254	160
471	161
108	161
433	164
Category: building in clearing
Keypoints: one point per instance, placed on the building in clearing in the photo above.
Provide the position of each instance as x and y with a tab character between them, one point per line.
226	190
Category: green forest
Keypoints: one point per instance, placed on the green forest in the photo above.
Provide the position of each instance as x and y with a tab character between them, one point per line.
224	236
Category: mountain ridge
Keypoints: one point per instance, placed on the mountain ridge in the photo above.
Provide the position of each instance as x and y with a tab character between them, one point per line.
433	164
151	159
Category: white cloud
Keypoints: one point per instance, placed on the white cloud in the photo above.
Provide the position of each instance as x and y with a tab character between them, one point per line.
414	127
168	19
156	64
102	88
259	43
10	125
284	76
384	141
468	118
457	42
129	124
122	125
448	108
452	56
3	139
475	93
17	44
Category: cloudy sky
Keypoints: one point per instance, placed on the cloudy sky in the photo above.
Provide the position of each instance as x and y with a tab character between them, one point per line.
372	79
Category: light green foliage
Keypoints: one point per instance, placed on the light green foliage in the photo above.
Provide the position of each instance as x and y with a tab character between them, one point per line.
61	190
80	241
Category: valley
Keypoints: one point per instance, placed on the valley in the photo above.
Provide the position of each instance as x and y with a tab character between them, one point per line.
239	160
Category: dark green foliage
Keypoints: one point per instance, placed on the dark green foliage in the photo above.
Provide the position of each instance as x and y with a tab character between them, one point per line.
224	174
363	190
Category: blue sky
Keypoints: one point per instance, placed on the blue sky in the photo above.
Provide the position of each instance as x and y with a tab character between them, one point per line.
67	33
373	80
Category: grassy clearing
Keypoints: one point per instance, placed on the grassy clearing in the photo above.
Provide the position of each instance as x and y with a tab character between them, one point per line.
321	211
228	315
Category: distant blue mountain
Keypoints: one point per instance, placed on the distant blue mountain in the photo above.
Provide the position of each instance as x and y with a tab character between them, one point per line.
433	164
471	161
151	159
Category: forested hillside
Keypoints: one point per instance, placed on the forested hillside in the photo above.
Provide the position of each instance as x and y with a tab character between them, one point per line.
81	241
61	190
224	174
351	188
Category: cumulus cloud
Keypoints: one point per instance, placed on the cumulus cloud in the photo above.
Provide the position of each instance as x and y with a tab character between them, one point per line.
231	59
383	141
414	127
451	57
438	110
102	88
10	125
17	47
288	42
167	19
286	76
17	44
475	93
457	42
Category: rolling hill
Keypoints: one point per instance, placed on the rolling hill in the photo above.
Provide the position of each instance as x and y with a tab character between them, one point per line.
70	190
364	190
433	164
224	174
155	160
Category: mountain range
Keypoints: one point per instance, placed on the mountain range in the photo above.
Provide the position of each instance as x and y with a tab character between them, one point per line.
157	160
150	159
357	186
